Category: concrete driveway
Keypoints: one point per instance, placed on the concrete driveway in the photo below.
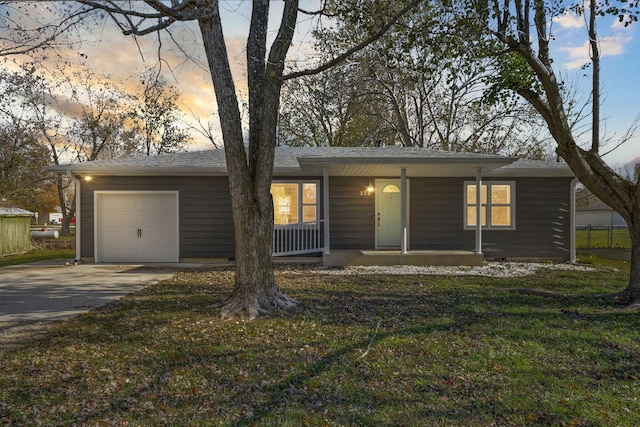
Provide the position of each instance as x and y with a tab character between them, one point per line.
44	292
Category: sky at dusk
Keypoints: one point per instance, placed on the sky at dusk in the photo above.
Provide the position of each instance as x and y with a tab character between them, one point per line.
620	68
107	52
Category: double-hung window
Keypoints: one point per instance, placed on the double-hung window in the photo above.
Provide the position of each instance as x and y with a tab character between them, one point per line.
294	202
497	205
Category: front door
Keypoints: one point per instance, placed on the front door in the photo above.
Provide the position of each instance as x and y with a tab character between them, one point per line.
388	213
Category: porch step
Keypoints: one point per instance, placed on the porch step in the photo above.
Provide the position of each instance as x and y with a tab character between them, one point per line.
343	258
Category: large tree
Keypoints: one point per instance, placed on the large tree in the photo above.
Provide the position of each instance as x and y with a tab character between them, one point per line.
250	170
98	129
157	117
29	99
24	37
23	183
523	30
417	86
368	102
333	109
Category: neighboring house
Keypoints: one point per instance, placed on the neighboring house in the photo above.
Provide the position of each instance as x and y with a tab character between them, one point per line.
351	205
15	227
597	213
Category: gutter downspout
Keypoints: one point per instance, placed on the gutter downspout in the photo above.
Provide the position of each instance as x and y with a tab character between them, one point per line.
78	189
572	220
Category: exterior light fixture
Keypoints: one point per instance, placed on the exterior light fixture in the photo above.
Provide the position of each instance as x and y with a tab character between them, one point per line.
87	178
368	190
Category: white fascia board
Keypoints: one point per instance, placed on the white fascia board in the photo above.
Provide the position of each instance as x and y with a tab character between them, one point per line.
491	162
138	170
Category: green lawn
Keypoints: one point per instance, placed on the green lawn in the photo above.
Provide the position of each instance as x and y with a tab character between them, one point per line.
43	250
359	350
37	255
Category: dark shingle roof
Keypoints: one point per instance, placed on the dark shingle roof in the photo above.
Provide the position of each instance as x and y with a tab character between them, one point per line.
310	160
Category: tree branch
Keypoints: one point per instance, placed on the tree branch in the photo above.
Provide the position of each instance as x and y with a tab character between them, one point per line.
18	40
316	12
631	132
337	60
164	15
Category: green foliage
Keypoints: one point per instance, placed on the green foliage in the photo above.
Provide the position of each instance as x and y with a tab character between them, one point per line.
627	12
23	183
511	76
358	350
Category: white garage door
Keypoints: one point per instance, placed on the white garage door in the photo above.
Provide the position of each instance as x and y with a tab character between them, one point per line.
136	227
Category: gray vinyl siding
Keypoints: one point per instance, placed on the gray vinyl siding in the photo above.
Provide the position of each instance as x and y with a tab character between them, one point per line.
206	224
436	209
350	214
543	223
436	215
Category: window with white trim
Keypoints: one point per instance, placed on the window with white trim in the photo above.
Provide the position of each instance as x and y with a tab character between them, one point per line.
294	202
497	204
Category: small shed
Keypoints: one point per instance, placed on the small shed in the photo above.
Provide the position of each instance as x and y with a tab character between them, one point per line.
14	231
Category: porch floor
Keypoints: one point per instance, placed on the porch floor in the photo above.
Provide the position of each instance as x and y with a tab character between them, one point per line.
341	258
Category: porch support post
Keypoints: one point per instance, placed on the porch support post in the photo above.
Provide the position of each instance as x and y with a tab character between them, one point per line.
325	203
403	210
479	211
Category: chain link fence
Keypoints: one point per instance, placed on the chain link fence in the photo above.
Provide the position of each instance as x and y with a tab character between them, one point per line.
602	237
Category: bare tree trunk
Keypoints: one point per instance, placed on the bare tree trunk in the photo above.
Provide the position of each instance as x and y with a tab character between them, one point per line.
250	174
60	187
631	295
67	214
63	202
255	292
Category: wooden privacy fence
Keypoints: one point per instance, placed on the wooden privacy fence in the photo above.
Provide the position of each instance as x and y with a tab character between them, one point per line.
607	236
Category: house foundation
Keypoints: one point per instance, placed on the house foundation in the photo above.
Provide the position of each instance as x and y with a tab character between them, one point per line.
342	258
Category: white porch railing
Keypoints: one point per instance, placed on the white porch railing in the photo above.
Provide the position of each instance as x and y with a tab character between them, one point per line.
299	238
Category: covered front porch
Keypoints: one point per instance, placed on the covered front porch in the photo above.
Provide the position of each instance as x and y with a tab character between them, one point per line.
370	225
343	258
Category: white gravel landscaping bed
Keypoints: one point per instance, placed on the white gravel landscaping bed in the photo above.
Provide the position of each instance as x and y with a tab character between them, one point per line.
489	269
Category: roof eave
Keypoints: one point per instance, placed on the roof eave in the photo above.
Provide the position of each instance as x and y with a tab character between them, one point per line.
137	170
326	161
531	172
